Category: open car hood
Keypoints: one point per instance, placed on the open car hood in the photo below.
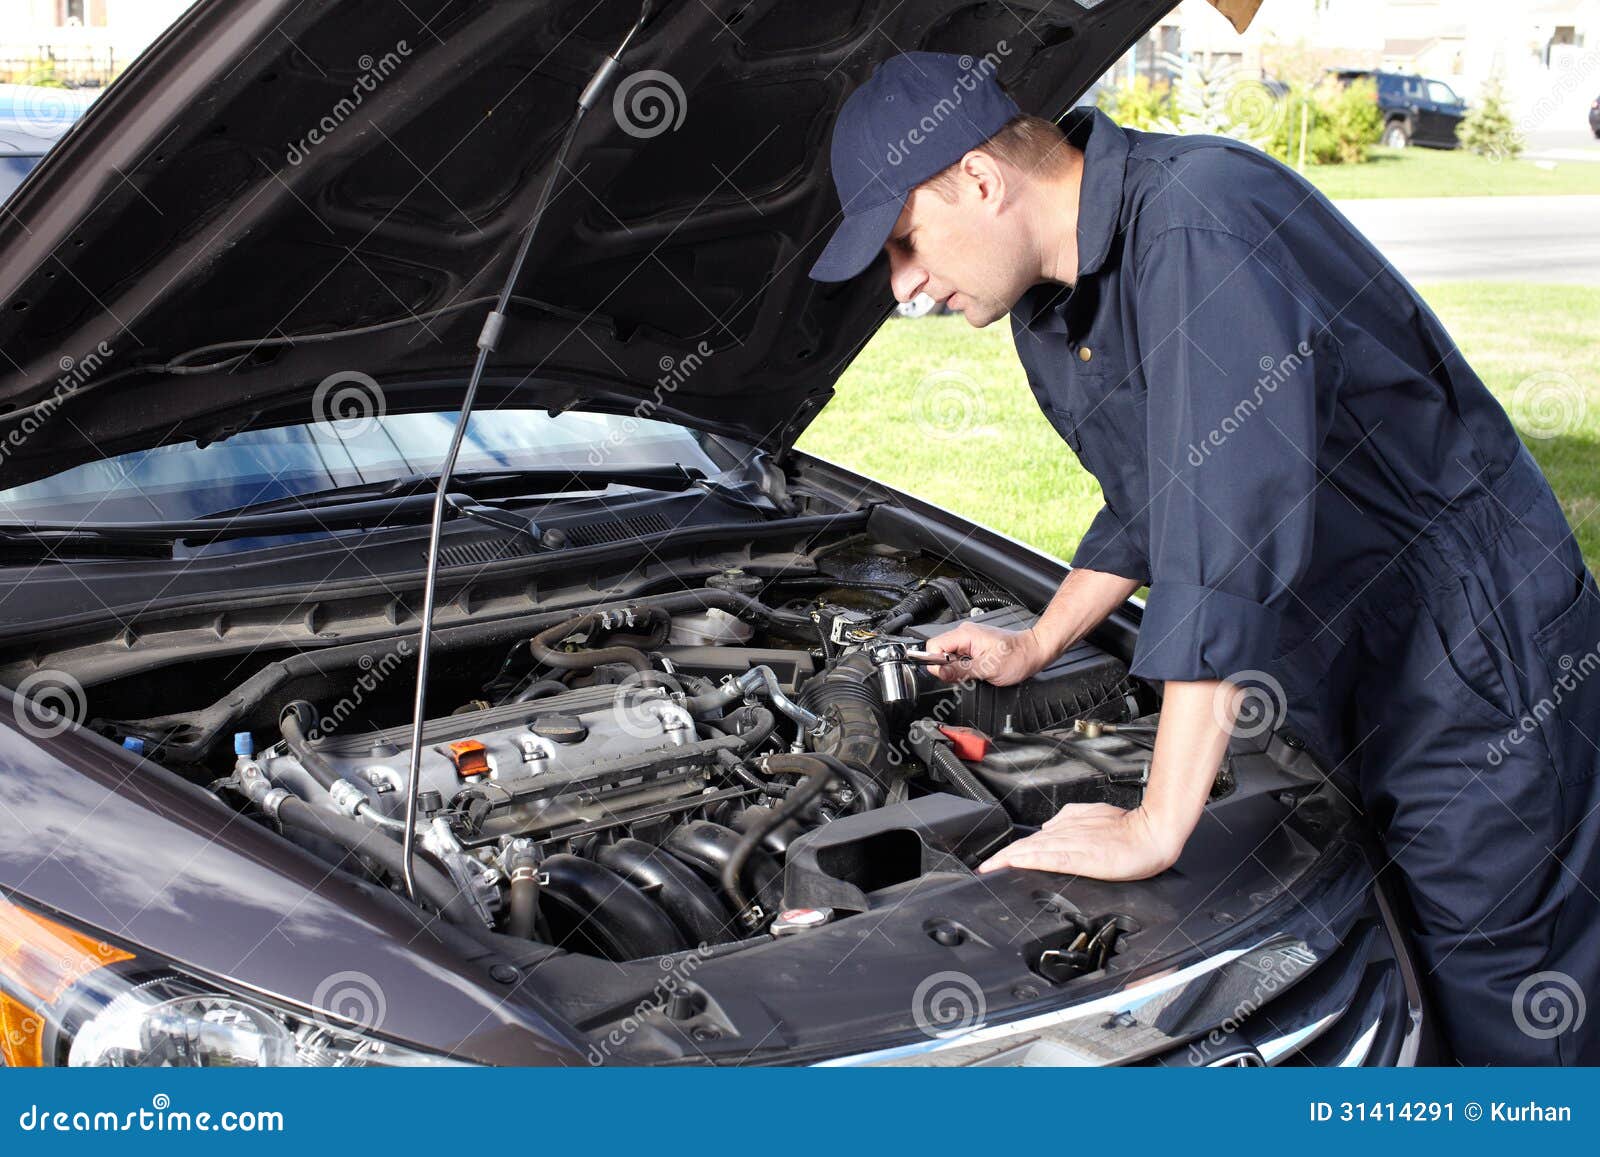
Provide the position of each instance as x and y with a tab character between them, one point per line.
271	169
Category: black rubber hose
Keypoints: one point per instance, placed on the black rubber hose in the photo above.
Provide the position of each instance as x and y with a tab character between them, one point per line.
539	689
543	648
946	764
364	840
869	794
918	603
522	920
847	695
297	719
817	771
960	595
762	724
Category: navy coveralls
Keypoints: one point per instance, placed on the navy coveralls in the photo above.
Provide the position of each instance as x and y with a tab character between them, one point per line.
1323	497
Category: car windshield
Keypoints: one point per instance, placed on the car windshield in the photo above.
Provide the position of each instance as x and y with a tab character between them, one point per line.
184	481
12	169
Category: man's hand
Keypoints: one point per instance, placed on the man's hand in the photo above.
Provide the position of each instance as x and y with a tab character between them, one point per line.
1107	843
1095	840
997	656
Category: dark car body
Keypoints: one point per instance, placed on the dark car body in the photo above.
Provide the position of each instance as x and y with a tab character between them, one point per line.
196	241
1417	110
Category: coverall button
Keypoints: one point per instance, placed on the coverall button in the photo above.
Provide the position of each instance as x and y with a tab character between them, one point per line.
1084	353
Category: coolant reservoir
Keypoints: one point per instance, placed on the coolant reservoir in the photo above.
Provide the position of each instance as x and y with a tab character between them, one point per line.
709	628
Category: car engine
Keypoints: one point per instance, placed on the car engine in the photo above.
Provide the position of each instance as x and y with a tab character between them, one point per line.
696	767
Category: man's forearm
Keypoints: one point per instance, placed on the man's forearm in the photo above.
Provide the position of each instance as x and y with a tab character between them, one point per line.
1190	742
1082	603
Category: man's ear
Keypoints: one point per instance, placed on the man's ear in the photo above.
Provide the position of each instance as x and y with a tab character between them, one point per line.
987	176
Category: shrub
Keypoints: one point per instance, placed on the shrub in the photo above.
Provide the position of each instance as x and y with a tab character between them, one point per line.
1488	129
1341	122
1135	103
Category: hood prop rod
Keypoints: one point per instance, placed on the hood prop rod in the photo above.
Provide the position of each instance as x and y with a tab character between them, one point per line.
493	325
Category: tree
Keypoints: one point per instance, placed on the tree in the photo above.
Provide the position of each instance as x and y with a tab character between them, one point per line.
1488	128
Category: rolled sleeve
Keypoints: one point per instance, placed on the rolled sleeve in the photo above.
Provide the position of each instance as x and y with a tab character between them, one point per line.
1191	632
1235	424
1111	547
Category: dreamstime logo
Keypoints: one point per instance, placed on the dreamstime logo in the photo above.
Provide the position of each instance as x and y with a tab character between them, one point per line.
1274	372
674	373
650	717
1550	403
74	373
48	702
947	1003
948	403
374	670
347	404
974	72
1548	1004
1574	672
351	998
1253	110
1248	704
373	73
42	111
677	972
649	103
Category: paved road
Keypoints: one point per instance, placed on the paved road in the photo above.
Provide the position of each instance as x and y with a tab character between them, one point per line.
1486	238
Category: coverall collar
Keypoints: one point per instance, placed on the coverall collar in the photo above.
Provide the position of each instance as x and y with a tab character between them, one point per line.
1105	163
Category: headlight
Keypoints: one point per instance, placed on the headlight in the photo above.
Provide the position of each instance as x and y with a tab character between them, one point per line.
68	998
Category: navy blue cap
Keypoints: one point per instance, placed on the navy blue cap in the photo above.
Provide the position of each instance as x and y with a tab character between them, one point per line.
918	114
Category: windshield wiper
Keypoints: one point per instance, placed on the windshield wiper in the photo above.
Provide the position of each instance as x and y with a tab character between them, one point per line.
482	484
370	506
43	542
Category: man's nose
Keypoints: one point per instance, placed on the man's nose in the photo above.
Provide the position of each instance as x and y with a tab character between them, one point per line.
906	277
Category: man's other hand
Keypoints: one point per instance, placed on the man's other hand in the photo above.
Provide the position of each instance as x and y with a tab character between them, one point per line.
994	655
1095	840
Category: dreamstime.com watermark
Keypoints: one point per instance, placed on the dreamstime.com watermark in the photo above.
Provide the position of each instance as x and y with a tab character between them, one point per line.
159	1117
1573	673
373	73
1547	1004
948	404
74	373
649	103
974	72
1249	703
1275	971
347	404
674	373
373	673
947	1003
47	702
1274	372
675	978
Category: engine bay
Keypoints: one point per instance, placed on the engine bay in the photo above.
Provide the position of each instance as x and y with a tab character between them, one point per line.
751	754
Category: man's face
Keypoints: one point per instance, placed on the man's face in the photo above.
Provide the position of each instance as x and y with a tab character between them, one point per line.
963	249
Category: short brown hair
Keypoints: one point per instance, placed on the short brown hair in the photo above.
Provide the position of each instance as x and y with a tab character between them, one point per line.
1032	144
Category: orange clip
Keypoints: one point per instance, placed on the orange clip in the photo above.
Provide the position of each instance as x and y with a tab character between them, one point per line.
470	756
969	743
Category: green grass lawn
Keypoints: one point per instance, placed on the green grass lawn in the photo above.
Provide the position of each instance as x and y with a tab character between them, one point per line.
1456	173
941	410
